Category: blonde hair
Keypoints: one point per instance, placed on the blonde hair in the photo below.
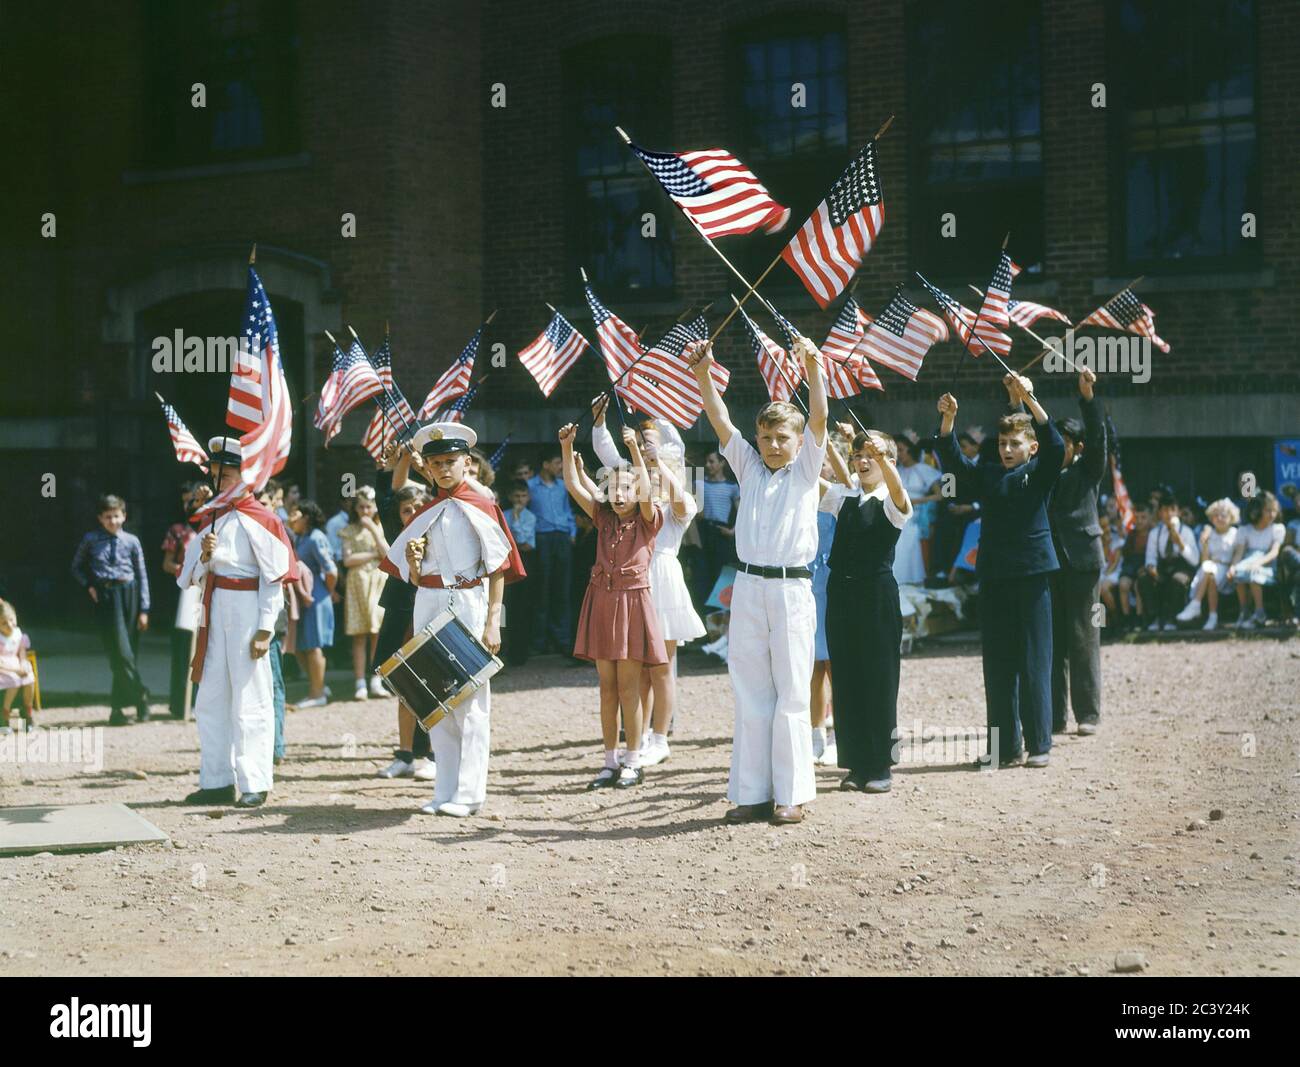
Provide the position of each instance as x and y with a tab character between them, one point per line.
1224	509
7	612
780	413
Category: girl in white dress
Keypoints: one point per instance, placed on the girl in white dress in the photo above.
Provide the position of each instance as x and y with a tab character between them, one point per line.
1218	545
678	621
920	481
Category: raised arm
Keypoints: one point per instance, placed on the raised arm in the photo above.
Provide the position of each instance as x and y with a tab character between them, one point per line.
601	439
669	486
889	475
953	460
701	361
576	487
817	405
643	495
1095	459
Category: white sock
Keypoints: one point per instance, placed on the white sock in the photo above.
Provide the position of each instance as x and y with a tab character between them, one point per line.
611	758
659	739
633	759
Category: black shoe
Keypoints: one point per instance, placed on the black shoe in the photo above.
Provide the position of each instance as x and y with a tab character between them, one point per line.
250	800
606	778
628	777
223	795
116	718
852	782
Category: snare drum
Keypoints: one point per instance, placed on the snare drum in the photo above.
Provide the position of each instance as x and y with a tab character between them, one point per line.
443	665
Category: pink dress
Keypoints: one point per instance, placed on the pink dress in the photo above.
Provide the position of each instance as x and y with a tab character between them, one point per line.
618	619
15	670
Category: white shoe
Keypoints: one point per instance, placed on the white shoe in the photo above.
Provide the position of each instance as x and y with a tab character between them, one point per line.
830	756
360	692
1041	760
458	811
1246	624
1260	618
654	754
1087	729
1169	626
1212	623
377	686
1154	628
1190	613
399	768
425	770
312	702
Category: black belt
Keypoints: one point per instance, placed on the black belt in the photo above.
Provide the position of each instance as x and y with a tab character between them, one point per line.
776	572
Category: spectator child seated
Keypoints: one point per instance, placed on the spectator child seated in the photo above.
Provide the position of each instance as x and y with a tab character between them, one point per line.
1218	546
16	675
1254	561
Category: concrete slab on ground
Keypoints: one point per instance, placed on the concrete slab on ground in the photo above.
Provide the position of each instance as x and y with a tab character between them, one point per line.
73	828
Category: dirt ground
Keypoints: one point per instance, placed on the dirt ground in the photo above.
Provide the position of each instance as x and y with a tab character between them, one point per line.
1112	849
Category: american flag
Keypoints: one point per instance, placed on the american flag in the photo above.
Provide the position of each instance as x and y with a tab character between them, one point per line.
1127	517
244	404
619	347
494	461
556	349
456	413
831	245
901	335
1126	312
780	374
393	413
454	380
266	446
186	447
670	384
1025	313
961	319
717	192
994	308
351	382
847	371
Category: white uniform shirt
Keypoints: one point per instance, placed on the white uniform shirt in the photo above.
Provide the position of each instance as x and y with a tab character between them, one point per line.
453	551
234	558
835	496
776	523
1159	539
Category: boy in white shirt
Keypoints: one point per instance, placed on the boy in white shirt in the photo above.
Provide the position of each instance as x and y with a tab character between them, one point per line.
773	615
1171	561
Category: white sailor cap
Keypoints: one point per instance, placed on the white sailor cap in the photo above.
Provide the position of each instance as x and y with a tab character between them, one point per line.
226	451
443	438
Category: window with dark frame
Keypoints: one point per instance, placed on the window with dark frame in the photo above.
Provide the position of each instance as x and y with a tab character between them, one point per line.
623	81
1187	159
976	152
791	121
244	54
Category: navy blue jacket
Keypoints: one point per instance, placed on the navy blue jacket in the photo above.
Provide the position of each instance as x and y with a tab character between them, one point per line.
1015	539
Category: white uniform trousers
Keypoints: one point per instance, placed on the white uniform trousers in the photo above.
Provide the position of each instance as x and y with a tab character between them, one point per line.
770	660
460	740
234	711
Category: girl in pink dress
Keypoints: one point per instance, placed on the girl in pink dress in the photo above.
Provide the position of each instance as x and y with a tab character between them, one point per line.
16	674
618	627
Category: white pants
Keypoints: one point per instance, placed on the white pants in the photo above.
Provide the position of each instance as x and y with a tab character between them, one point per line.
770	660
460	740
235	711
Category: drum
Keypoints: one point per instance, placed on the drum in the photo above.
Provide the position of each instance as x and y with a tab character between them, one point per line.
441	666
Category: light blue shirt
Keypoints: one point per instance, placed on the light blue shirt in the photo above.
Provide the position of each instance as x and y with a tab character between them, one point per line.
550	504
334	532
523	527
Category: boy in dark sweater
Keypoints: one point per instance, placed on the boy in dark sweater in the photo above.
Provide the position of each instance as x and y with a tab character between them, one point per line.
1015	559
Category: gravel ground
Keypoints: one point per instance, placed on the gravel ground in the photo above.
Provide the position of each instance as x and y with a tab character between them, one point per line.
1171	834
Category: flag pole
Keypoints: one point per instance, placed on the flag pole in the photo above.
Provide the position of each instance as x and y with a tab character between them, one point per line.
1047	348
943	299
390	394
612	392
391	425
216	487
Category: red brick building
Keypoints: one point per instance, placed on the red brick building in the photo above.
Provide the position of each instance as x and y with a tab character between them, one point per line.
471	144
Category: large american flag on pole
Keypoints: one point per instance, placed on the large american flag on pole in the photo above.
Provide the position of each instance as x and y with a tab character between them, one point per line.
266	446
555	350
901	335
775	365
829	248
961	318
620	348
847	371
454	380
393	416
184	444
1125	311
669	383
244	403
715	190
352	381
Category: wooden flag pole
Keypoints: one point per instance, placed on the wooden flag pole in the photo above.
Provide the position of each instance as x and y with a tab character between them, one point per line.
780	366
396	431
406	423
943	299
1046	347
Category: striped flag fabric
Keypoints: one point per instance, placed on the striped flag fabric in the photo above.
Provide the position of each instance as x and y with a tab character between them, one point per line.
620	348
829	248
961	319
780	375
847	370
352	381
555	350
1024	313
998	294
453	381
1126	312
266	446
901	335
184	443
456	413
244	403
715	190
670	385
393	414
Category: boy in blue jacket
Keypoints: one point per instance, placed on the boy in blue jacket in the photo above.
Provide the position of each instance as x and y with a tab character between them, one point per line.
1015	558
